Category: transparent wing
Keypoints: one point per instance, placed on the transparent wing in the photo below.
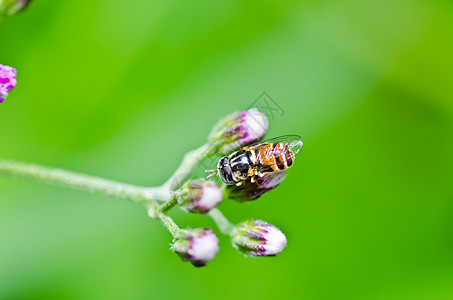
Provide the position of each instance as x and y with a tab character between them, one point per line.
269	157
293	141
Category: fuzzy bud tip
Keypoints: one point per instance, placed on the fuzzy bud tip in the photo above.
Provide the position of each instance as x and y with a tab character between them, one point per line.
199	195
258	238
197	245
239	129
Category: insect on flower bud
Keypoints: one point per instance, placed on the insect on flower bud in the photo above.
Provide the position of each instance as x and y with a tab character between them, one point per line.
199	195
258	238
197	245
249	191
238	129
7	81
11	7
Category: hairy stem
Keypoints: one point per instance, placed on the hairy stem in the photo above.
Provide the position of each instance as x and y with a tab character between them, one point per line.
73	180
144	195
169	224
157	193
88	183
190	160
169	204
222	222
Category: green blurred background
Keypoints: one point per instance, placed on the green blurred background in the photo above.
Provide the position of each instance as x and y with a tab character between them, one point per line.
122	89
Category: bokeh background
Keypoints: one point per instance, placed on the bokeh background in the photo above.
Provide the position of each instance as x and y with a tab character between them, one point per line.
122	89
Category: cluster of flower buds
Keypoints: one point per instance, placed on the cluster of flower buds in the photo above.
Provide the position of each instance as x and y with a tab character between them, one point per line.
199	195
252	237
238	129
7	81
11	7
253	190
258	238
196	245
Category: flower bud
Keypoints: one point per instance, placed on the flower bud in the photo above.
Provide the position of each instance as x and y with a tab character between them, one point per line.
7	81
197	245
249	191
11	7
199	195
238	129
258	238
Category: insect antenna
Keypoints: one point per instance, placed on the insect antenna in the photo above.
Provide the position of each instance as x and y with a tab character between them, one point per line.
213	173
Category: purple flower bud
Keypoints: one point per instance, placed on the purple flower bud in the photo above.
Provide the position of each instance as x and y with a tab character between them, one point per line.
238	129
7	81
249	191
199	195
11	7
197	245
258	238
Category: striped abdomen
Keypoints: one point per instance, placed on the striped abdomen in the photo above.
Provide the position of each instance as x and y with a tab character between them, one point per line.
273	157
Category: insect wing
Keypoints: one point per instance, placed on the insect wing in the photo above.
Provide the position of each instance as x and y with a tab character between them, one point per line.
293	141
271	180
270	157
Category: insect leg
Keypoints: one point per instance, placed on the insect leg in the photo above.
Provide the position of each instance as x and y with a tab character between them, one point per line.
253	180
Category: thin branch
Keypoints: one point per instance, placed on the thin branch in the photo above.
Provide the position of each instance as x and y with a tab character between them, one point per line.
87	183
73	180
169	204
222	222
94	184
190	160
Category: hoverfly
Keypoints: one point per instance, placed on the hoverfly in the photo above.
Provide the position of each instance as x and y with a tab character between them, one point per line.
254	161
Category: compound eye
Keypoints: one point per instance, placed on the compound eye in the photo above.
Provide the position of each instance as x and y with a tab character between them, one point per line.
225	176
222	162
225	173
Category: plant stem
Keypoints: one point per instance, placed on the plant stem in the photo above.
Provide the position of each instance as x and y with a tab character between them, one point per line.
169	204
72	179
190	160
87	183
222	222
157	193
169	224
143	195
